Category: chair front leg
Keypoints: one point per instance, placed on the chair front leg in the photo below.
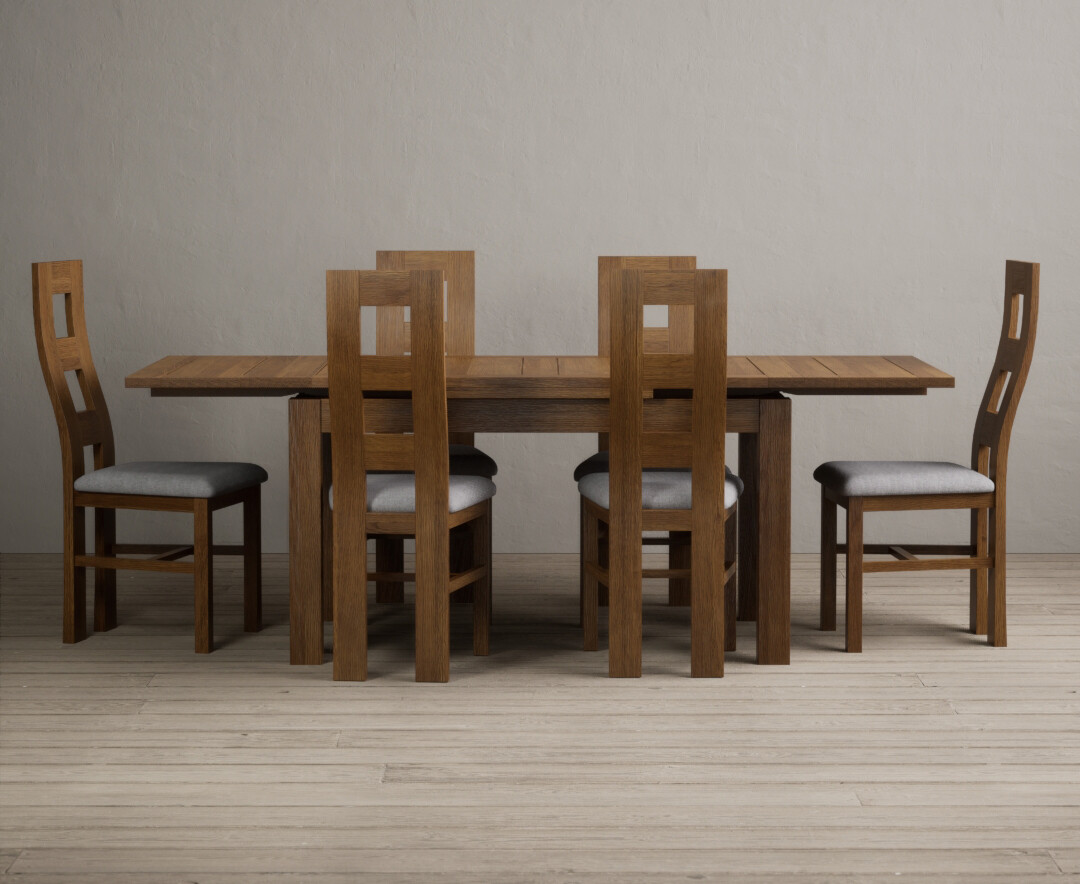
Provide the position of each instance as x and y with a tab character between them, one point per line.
253	560
995	608
853	612
204	578
74	577
481	537
828	563
104	578
979	545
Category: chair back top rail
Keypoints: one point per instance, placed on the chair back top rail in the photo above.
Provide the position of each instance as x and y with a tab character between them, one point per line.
61	355
993	425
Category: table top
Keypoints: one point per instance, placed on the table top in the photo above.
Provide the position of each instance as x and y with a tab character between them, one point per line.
559	377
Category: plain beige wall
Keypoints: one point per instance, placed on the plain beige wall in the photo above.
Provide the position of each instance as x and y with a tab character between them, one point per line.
863	169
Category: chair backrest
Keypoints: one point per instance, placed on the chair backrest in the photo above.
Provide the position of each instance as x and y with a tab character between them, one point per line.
393	332
421	373
993	426
641	426
676	337
60	355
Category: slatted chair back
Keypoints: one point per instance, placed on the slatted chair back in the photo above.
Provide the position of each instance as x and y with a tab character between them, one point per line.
393	332
993	426
638	441
676	337
62	355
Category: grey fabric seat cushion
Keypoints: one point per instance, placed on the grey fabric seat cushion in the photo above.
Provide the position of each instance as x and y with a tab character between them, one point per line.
172	478
396	492
660	489
467	460
598	463
881	478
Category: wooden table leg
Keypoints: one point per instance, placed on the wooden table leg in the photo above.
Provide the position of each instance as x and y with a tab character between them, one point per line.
773	476
305	531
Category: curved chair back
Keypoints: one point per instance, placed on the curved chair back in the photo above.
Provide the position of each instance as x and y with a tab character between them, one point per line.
64	354
993	426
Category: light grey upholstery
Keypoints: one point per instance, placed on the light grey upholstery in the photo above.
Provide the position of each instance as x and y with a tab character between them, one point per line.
467	460
660	489
881	478
598	463
172	478
396	492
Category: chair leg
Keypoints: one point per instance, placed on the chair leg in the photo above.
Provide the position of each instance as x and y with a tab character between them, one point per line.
979	545
389	556
253	560
481	538
327	516
581	561
828	564
104	578
74	578
853	612
679	557
995	608
204	578
603	560
731	552
461	559
590	596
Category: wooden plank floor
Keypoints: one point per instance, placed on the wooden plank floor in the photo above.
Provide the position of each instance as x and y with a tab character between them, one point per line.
930	757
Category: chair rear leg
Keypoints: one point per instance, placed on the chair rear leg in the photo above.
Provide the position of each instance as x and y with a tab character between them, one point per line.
731	552
853	608
979	545
828	564
481	534
678	558
602	560
389	556
995	608
74	629
581	560
461	559
590	592
104	578
253	560
204	578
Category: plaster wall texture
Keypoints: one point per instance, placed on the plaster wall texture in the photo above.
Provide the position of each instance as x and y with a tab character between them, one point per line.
863	169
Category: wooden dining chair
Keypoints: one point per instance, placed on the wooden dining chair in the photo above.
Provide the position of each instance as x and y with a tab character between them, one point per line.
398	483
661	480
676	336
888	486
393	337
197	488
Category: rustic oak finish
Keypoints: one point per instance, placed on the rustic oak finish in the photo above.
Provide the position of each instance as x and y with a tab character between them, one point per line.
675	337
421	449
91	427
554	394
393	337
632	449
985	555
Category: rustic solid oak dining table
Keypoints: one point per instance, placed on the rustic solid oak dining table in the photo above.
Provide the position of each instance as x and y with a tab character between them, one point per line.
554	394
